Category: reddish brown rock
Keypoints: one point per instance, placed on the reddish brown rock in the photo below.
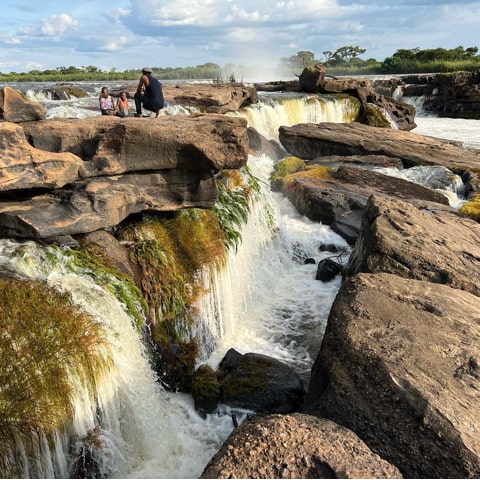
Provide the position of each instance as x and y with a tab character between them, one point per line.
295	446
14	108
24	167
105	202
399	365
112	146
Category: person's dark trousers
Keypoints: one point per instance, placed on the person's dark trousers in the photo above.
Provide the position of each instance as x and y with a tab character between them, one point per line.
142	100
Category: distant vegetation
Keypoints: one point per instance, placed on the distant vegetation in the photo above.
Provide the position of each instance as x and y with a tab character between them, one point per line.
346	61
343	61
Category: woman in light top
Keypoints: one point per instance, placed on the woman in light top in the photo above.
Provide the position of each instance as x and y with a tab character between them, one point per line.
123	108
107	105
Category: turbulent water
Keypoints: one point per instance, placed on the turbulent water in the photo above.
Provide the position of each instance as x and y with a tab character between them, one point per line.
265	300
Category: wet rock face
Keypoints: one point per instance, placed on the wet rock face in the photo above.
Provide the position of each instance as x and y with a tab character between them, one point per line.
295	446
455	95
259	383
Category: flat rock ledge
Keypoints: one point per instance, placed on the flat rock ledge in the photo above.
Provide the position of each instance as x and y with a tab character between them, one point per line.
295	446
72	176
206	97
339	197
309	141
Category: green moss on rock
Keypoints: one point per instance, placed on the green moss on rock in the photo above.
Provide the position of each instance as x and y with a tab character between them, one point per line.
472	208
285	167
44	340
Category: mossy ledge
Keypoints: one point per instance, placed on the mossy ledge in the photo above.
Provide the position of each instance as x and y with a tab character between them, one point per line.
45	340
472	208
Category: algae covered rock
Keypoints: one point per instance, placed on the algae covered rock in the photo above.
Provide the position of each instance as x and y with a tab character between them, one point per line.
259	383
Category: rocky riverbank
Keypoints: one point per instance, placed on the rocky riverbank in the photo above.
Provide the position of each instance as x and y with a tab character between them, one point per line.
399	362
455	95
395	388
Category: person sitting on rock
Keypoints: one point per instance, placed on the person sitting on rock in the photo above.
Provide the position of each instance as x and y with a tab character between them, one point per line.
149	94
107	105
123	108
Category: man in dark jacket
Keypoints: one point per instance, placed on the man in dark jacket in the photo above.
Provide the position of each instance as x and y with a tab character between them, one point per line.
149	94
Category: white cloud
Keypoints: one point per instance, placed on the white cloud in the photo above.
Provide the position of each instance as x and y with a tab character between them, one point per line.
57	24
12	40
114	45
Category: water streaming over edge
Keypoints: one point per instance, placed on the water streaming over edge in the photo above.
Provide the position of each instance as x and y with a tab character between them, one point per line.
265	300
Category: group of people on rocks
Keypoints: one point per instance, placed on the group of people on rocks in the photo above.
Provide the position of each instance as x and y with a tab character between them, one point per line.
149	95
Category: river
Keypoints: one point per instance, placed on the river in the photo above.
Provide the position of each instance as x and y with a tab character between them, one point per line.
265	300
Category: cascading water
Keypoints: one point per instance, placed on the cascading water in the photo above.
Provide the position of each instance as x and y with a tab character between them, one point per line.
141	431
274	110
265	299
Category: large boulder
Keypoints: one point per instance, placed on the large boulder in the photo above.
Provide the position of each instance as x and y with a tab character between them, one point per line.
15	108
399	365
105	202
70	176
312	79
260	383
112	146
419	242
295	446
338	198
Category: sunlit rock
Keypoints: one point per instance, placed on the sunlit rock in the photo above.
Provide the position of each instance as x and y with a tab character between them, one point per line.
15	108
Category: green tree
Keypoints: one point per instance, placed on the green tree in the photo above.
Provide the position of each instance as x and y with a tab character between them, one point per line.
343	55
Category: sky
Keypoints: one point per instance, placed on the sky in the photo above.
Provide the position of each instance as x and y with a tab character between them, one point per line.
131	34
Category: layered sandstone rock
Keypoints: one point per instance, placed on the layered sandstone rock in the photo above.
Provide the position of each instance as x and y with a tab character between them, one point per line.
338	198
295	446
76	176
309	140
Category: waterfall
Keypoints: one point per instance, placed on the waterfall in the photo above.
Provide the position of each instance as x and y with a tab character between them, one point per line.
142	431
275	110
265	298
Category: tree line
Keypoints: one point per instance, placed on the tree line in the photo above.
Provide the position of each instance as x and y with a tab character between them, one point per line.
346	60
343	61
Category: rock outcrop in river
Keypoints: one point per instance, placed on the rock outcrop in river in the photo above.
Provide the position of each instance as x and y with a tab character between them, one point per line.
455	95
